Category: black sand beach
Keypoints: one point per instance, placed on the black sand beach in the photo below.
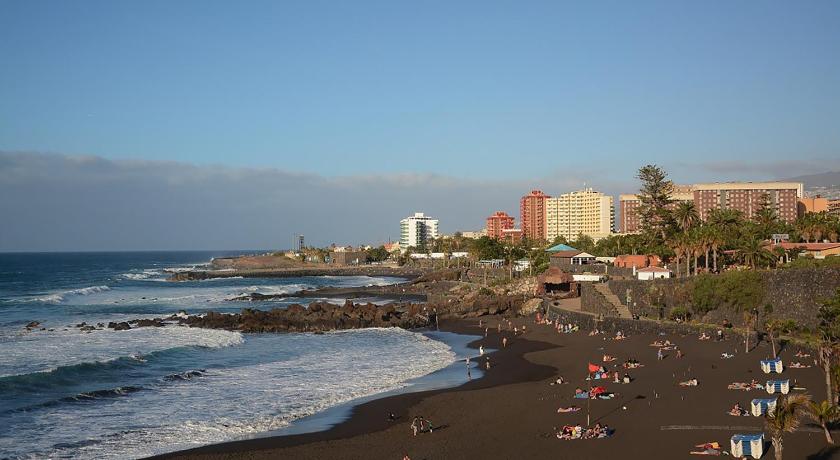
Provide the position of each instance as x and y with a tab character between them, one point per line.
512	411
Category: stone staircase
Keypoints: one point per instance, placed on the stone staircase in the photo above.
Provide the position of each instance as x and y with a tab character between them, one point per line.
620	308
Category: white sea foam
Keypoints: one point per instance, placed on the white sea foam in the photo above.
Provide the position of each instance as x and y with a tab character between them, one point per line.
146	274
58	297
43	351
310	373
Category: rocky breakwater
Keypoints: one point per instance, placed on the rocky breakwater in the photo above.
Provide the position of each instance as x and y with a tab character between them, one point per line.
317	317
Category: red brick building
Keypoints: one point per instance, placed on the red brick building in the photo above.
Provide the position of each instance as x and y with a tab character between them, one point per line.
748	197
497	223
532	215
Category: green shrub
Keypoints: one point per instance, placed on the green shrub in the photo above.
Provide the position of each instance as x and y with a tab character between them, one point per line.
739	290
680	313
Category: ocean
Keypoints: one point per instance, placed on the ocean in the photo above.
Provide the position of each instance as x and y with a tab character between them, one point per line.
65	393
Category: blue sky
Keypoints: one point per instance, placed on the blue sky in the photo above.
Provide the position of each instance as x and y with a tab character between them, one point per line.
553	93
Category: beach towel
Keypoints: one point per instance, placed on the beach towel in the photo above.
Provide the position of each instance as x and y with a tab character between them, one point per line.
594	367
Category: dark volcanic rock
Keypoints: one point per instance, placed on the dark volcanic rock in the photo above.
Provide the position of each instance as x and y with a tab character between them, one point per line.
121	326
156	322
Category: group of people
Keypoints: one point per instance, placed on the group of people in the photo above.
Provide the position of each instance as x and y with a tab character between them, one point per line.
577	432
421	425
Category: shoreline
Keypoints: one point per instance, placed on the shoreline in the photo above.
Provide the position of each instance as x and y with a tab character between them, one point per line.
371	416
511	412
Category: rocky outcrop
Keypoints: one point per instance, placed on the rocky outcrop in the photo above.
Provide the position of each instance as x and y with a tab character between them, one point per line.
319	316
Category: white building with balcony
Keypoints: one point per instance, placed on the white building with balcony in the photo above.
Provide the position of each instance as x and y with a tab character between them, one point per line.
416	230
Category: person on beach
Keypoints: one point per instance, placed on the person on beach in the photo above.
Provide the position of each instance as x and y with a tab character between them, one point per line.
415	425
423	423
504	342
481	350
659	355
485	332
487	363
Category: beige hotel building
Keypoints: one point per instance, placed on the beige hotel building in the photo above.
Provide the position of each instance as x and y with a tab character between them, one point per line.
586	212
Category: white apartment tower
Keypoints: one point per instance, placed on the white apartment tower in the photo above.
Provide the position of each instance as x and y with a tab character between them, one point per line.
417	229
586	212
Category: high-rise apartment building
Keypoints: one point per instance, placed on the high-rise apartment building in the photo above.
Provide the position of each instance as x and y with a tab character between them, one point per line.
497	223
746	197
749	197
586	212
532	215
416	230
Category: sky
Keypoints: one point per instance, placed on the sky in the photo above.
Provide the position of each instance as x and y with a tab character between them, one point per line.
211	125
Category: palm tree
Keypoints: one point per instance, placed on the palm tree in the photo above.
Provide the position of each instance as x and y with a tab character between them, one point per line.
715	242
685	214
825	354
823	413
676	246
748	318
752	252
784	418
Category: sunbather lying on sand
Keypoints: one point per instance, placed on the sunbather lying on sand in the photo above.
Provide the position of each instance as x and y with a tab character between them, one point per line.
632	364
745	386
738	411
710	448
798	365
690	383
725	355
559	381
563	410
802	354
608	358
705	336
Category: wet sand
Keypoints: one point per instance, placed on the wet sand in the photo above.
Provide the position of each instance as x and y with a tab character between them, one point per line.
510	413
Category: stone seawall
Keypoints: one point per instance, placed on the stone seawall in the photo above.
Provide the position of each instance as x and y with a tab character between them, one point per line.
611	325
790	293
592	301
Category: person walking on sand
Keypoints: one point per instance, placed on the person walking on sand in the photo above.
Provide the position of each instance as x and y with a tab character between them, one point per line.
504	342
659	355
487	363
485	332
481	350
415	426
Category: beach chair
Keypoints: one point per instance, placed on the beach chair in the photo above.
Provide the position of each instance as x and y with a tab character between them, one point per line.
759	407
772	365
743	445
778	386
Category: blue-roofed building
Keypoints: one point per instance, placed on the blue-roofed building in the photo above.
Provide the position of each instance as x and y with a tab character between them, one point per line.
561	248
